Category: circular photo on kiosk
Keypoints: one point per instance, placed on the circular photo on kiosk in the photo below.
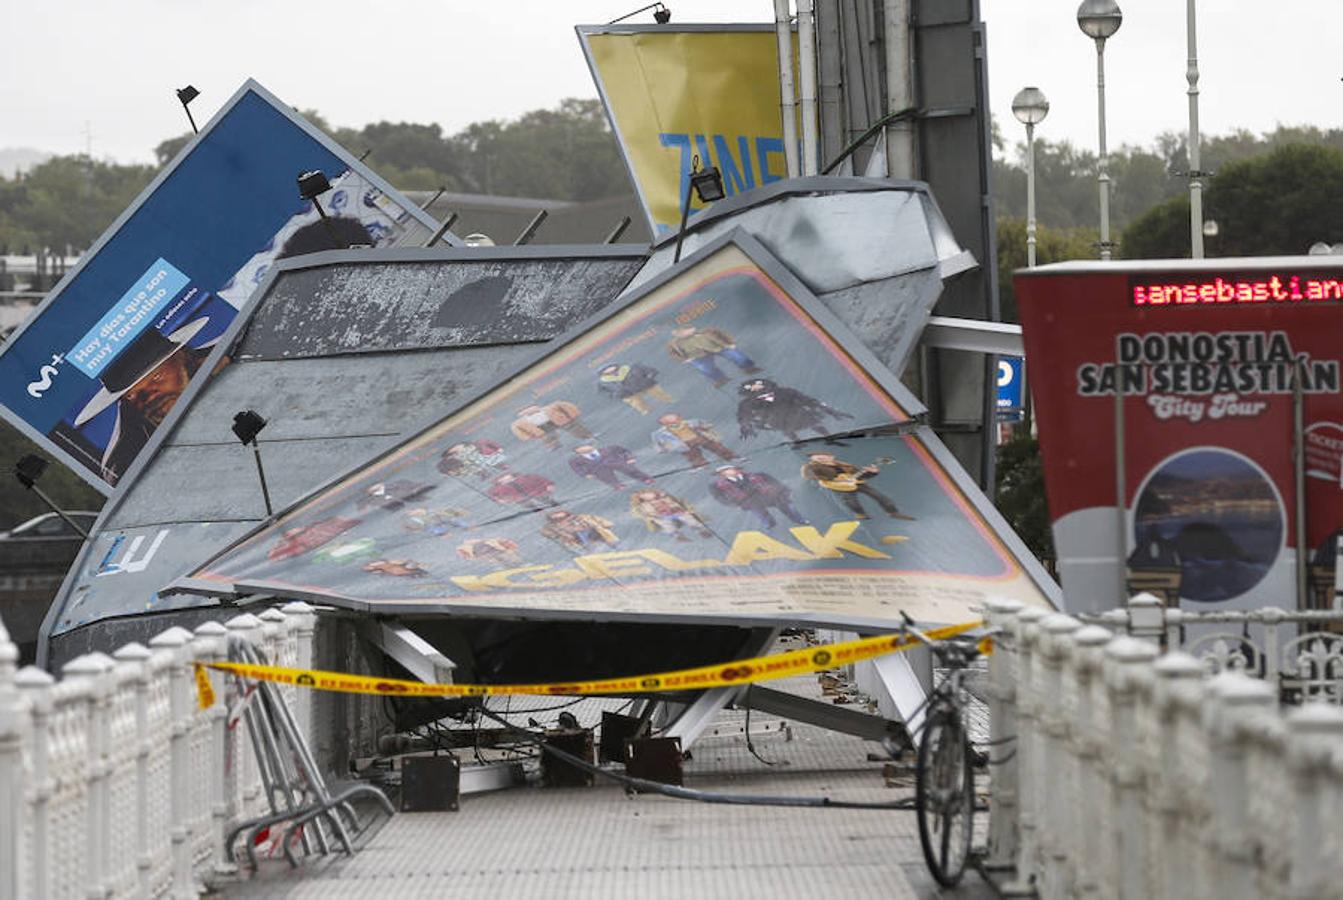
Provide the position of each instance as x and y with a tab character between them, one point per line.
1210	521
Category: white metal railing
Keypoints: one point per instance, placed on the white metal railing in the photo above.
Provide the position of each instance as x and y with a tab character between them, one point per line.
113	782
1291	650
1140	775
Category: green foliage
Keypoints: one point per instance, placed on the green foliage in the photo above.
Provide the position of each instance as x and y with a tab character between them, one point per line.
66	201
1051	245
1279	203
1020	494
17	503
1160	233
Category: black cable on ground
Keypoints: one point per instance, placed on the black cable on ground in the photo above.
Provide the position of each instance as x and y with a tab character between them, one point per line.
643	785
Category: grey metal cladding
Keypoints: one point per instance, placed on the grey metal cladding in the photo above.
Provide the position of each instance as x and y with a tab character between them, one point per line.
318	398
831	240
374	307
117	577
889	314
327	410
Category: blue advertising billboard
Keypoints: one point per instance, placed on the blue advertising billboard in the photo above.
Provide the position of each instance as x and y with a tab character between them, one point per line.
97	368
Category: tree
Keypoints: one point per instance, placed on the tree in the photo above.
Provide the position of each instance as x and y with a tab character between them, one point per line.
1051	245
1020	492
18	504
1279	203
1160	233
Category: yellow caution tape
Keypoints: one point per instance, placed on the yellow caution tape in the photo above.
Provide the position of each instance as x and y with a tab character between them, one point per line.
739	671
205	692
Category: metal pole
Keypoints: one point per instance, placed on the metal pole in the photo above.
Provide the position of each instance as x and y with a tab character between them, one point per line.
1299	477
1030	195
1195	184
1102	163
787	96
618	230
806	52
680	232
265	491
60	512
1121	489
899	90
442	230
530	231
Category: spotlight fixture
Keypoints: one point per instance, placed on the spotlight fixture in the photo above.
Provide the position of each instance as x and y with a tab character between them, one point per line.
28	470
311	186
247	425
661	14
185	96
707	184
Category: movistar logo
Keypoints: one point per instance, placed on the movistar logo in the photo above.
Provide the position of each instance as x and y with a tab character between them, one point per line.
46	373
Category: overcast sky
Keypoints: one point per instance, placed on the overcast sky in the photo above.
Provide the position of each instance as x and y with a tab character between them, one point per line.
80	73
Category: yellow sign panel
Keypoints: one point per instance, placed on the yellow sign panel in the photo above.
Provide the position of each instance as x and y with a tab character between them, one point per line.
675	95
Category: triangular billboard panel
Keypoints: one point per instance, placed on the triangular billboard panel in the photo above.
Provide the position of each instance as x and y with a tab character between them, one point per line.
95	372
719	449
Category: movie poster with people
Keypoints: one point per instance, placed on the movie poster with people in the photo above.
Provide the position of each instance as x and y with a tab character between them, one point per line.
718	448
99	366
1208	364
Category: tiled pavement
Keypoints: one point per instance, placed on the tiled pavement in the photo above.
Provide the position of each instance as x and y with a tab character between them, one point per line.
598	842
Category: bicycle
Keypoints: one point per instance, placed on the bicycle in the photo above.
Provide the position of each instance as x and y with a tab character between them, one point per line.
944	782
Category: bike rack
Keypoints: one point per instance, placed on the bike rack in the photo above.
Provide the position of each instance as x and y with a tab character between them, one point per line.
294	787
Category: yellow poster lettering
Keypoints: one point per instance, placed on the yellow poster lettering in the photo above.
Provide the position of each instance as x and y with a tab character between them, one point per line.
613	565
756	546
675	563
495	579
835	540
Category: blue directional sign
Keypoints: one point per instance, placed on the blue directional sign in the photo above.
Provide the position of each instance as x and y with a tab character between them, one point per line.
1011	374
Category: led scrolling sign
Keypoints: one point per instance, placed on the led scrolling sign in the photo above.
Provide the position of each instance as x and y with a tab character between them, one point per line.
1233	289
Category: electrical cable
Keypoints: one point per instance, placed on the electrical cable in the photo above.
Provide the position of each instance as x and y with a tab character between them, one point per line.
643	785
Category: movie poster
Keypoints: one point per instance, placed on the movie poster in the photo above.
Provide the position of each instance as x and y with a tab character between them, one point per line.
713	449
1206	361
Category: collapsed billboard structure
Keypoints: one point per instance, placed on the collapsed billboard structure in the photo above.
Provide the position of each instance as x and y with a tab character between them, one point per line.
348	353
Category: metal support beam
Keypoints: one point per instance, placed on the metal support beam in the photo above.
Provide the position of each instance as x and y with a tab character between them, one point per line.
950	333
822	714
412	652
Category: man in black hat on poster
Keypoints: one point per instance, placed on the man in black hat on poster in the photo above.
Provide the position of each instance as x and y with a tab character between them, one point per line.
142	384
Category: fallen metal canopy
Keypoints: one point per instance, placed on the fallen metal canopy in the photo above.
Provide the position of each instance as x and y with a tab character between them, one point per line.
565	480
344	353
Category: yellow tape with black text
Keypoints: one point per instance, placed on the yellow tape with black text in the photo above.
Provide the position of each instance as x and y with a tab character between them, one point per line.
739	671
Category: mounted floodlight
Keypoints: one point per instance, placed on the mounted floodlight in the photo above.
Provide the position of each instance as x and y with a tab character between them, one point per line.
312	185
247	425
706	184
661	14
28	470
185	96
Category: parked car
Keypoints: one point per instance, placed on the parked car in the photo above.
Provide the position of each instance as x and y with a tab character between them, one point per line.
51	525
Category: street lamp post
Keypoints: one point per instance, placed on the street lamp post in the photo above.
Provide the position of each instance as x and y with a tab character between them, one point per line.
1030	107
1195	176
1099	20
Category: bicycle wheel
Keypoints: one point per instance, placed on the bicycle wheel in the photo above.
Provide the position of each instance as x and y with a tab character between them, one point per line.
945	795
